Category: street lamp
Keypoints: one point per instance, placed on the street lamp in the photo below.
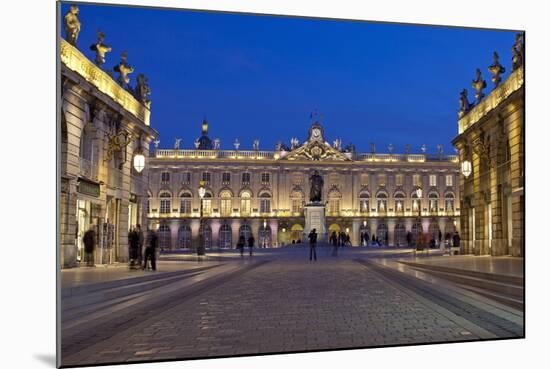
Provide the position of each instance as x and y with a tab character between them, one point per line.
139	158
466	167
419	196
202	192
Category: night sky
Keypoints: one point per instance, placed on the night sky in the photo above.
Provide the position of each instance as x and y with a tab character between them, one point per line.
262	76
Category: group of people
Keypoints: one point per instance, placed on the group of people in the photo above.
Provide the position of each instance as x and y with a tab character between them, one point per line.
241	243
139	258
374	241
339	239
135	247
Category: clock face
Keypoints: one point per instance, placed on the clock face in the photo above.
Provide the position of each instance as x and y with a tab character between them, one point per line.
316	132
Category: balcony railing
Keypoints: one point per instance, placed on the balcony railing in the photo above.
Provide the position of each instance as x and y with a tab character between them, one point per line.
88	169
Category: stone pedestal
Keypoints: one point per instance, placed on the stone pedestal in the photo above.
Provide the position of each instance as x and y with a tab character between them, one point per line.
315	218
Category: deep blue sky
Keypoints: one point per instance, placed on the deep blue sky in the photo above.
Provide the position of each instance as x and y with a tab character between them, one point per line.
262	76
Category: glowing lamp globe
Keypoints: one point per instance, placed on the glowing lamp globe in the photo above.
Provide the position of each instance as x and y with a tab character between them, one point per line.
466	168
139	162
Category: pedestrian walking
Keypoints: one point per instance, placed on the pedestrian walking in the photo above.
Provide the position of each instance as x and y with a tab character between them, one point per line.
312	245
240	245
133	242
250	244
366	242
409	238
334	241
456	240
139	233
89	245
151	250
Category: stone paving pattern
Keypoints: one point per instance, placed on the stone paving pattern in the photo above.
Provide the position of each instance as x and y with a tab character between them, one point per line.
281	306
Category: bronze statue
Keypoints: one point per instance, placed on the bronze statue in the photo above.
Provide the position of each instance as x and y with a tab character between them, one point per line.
72	25
143	90
496	70
316	180
479	84
517	52
464	103
100	49
124	69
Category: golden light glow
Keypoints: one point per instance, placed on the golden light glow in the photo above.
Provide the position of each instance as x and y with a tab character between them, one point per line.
77	62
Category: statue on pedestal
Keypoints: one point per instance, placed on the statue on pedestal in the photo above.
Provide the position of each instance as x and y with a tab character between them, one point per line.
517	52
479	84
496	70
316	191
100	49
124	69
72	25
465	105
143	90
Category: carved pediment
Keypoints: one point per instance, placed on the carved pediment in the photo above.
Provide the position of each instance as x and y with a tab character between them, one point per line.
316	150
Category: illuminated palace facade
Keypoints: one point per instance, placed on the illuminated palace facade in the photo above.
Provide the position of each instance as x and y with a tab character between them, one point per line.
263	193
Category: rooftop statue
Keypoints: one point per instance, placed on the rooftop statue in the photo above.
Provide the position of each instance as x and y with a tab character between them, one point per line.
100	49
479	84
315	193
216	144
72	25
256	145
294	143
143	90
465	105
517	52
337	144
496	70
177	144
124	69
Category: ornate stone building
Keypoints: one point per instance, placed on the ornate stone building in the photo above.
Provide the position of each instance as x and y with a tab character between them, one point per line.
104	131
264	192
491	148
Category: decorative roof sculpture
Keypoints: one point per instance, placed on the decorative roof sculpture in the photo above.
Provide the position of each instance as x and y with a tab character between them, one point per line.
479	84
496	70
123	69
100	49
465	105
518	52
71	25
142	90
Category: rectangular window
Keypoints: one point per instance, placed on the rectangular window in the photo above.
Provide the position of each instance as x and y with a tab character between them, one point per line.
449	180
185	206
364	205
265	178
416	179
186	178
265	205
165	177
245	206
334	206
296	205
226	178
246	179
165	206
381	180
399	179
206	177
206	206
226	207
433	180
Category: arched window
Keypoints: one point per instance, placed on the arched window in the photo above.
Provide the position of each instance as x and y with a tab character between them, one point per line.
225	236
207	203
184	236
449	202
264	236
364	202
87	142
185	203
265	203
433	230
416	232
297	201
432	202
165	202
399	202
164	236
382	233
415	202
400	234
245	231
334	197
382	202
245	203
225	203
206	231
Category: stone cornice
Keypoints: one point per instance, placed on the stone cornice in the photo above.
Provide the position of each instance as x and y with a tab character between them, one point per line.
513	83
73	59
